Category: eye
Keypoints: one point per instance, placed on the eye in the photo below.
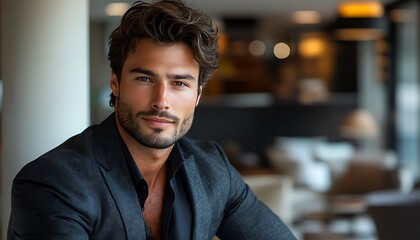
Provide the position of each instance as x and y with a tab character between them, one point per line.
143	79
180	84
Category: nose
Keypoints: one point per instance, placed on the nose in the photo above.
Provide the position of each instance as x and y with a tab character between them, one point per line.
159	98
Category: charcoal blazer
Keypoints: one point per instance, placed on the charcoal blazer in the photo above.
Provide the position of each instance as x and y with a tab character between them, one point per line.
82	190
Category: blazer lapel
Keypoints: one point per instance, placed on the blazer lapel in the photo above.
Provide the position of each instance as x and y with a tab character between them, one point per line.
199	200
117	177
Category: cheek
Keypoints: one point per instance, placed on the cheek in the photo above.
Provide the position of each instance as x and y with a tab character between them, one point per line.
189	108
133	97
185	105
134	93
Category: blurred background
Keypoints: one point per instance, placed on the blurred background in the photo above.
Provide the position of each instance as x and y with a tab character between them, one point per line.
316	103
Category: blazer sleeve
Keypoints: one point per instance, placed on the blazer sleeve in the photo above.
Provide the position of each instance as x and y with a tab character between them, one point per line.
246	217
43	210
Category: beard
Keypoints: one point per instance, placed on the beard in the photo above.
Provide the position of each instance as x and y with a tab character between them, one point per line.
131	123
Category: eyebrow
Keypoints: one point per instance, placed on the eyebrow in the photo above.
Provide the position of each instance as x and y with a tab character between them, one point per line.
144	71
181	76
172	76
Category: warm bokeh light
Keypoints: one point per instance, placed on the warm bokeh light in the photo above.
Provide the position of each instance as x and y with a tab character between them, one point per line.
311	47
360	9
256	48
116	9
281	50
306	17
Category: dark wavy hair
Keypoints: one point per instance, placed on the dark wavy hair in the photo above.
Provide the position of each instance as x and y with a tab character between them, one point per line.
165	21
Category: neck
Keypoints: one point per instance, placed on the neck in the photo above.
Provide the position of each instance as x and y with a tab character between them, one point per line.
150	161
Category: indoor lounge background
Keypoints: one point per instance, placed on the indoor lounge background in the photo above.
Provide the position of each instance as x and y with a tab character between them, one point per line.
315	104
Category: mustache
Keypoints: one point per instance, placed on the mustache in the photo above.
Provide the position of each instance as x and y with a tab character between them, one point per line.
157	113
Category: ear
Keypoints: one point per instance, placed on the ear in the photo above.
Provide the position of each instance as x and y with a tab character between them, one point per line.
200	90
114	84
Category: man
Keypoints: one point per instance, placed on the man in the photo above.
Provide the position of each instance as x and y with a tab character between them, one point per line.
135	176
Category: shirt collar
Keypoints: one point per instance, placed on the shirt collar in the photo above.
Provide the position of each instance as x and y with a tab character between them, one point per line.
174	162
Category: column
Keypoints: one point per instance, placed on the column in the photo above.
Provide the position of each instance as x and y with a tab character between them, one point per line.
45	74
371	89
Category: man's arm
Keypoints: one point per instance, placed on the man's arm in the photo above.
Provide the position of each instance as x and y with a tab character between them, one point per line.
246	217
41	211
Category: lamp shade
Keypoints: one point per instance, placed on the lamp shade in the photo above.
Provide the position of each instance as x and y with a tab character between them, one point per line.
359	29
359	124
360	9
360	20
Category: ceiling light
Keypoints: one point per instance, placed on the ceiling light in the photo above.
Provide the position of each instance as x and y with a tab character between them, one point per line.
306	17
116	9
360	9
360	20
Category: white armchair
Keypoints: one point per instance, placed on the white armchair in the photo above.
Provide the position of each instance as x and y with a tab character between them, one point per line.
276	191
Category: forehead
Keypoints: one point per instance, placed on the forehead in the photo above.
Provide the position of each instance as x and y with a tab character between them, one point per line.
148	52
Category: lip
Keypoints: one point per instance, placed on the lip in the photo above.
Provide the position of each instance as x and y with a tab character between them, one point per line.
157	122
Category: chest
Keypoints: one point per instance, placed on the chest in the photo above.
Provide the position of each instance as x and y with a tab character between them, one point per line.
153	207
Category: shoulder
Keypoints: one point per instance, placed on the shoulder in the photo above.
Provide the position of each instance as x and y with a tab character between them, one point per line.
71	157
196	147
65	175
205	153
61	189
209	162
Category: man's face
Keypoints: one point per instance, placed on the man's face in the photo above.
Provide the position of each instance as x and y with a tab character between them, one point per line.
157	93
